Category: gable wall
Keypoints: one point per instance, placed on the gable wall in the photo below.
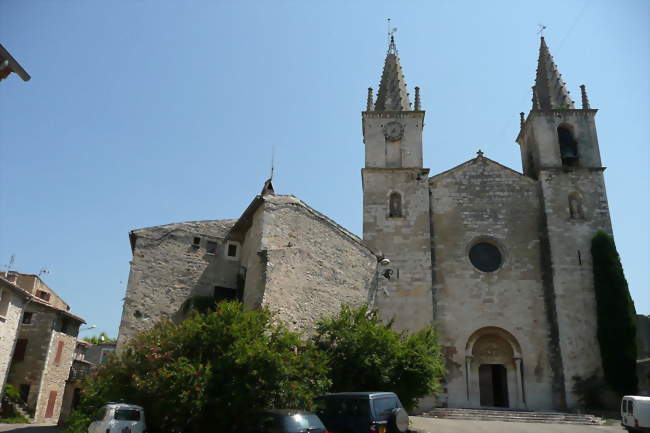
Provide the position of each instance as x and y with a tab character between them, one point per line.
167	269
311	267
474	201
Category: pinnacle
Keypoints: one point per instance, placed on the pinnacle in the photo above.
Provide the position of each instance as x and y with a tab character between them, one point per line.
549	91
392	94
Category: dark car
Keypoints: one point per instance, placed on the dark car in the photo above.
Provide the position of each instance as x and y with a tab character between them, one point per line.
284	421
362	412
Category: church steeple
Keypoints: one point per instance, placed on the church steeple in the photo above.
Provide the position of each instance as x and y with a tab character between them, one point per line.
392	95
549	91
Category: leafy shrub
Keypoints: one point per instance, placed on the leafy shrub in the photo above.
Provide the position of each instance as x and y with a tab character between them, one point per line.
208	370
11	393
366	355
615	315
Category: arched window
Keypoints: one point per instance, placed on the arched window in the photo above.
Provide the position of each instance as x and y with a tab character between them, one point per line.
395	205
575	206
568	145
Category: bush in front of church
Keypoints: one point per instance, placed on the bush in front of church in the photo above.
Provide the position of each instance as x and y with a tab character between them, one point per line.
616	316
209	372
367	355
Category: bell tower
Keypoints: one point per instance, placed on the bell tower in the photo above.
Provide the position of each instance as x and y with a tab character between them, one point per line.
559	148
396	199
556	134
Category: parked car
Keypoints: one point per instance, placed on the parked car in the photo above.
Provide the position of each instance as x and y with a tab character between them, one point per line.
362	412
118	418
635	413
284	421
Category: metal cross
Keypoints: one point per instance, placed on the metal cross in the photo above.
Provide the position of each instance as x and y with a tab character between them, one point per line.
542	27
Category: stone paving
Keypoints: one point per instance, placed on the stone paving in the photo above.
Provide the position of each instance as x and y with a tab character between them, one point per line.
434	425
30	428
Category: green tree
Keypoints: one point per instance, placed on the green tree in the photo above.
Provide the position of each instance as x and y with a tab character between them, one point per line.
101	338
211	369
366	355
616	316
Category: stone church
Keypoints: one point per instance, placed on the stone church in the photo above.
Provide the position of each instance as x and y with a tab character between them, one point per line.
498	260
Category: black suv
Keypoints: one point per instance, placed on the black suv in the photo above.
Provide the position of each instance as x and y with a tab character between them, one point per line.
362	412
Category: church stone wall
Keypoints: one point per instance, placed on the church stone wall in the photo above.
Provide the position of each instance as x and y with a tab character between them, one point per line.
483	201
167	268
405	241
312	266
571	227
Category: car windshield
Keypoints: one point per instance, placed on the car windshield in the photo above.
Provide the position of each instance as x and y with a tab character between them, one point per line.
127	415
302	421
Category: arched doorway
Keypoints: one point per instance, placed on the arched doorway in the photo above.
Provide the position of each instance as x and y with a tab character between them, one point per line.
493	369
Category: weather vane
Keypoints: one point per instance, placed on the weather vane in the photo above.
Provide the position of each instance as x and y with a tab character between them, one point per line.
391	31
542	27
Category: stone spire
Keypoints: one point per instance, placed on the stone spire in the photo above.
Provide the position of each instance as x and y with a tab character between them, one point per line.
392	95
549	91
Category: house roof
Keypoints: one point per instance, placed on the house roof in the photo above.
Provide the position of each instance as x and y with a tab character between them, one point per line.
245	220
211	228
36	300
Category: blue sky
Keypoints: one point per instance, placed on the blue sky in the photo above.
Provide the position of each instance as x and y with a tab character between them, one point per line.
146	112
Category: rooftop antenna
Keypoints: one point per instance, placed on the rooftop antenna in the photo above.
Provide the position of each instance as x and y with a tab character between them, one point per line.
11	262
43	271
541	27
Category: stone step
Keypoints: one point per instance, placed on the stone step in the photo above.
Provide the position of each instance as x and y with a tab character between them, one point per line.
513	416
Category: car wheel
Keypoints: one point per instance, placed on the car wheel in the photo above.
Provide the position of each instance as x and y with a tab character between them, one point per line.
399	421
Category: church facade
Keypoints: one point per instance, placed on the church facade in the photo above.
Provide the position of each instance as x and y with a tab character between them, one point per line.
498	260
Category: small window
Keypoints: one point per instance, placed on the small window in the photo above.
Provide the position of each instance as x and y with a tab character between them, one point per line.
21	348
232	249
212	247
485	257
196	242
43	295
27	318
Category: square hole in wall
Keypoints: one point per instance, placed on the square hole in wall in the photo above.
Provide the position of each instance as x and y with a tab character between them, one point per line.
211	247
232	249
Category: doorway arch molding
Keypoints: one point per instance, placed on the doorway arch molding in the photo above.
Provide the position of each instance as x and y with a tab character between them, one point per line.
493	330
471	365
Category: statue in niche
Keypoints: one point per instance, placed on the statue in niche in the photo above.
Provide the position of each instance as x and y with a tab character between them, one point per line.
395	205
575	206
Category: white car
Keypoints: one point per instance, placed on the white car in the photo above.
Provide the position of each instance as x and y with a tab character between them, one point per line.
119	418
635	413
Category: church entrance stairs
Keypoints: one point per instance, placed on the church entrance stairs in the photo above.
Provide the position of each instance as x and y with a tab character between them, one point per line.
513	416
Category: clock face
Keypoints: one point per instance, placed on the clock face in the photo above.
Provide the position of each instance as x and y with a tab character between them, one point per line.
393	131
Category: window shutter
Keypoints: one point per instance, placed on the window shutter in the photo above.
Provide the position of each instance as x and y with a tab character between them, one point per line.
59	350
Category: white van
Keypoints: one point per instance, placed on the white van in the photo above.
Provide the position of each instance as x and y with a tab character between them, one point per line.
635	413
118	418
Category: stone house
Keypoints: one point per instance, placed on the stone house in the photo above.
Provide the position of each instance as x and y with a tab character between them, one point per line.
44	348
12	302
280	254
496	259
80	368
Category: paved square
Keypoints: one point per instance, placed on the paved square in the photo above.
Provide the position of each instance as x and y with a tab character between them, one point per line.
437	425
